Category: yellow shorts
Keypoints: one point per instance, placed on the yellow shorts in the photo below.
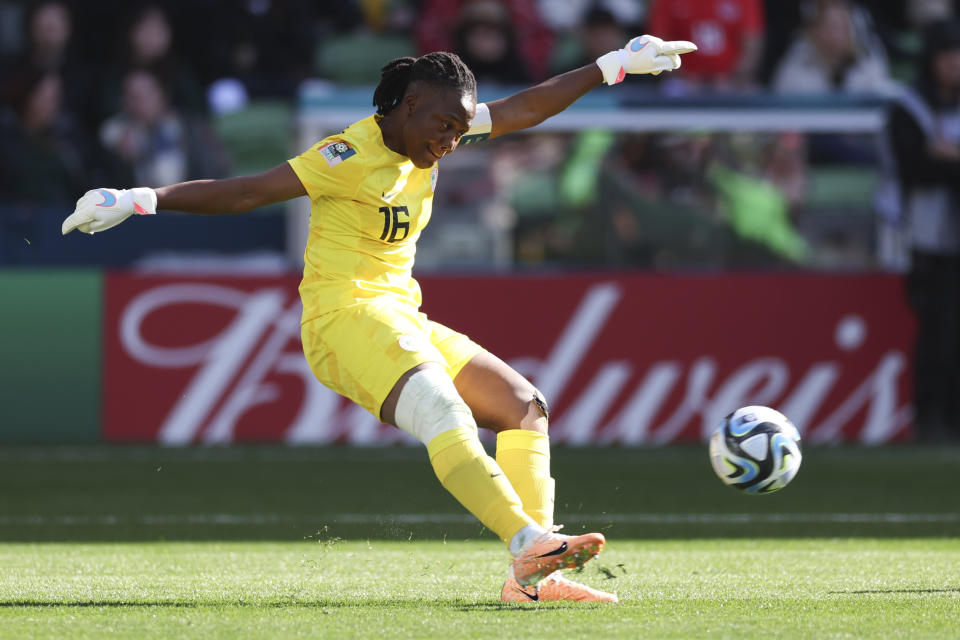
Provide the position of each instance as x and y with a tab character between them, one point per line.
361	351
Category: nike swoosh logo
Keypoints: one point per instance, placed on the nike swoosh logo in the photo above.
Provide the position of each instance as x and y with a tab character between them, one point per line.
387	196
494	475
108	198
556	552
535	597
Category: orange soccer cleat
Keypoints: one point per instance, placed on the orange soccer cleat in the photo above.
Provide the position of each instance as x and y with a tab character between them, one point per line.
557	587
553	551
513	592
553	587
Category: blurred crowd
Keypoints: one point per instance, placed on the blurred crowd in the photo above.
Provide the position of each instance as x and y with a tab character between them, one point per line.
114	92
123	93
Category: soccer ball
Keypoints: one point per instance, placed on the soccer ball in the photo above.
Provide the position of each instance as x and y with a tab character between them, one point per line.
756	450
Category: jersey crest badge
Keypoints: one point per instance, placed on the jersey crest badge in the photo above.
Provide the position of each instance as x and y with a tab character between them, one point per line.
336	152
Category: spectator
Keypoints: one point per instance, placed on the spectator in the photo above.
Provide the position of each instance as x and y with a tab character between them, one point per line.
600	32
836	51
150	40
49	27
597	32
900	26
157	142
49	30
486	42
924	135
729	34
759	184
246	46
43	155
436	29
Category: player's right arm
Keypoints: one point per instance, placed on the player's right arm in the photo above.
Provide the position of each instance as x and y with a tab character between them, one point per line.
101	209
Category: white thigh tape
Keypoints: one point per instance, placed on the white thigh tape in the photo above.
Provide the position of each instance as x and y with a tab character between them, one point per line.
429	405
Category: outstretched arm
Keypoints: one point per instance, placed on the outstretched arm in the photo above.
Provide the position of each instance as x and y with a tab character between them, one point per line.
232	195
101	209
530	107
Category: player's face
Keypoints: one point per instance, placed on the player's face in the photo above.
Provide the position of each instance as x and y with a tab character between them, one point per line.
437	117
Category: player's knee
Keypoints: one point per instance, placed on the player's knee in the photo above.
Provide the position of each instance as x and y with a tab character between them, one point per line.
537	416
429	404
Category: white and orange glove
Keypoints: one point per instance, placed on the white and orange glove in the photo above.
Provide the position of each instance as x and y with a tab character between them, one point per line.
100	209
643	54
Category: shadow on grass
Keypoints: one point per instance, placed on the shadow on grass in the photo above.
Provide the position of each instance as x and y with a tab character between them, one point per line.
868	591
524	606
275	604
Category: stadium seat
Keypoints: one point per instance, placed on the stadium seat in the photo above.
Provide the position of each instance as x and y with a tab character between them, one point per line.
257	136
846	188
358	58
838	215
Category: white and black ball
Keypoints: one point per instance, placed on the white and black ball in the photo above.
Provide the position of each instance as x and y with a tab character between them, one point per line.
756	449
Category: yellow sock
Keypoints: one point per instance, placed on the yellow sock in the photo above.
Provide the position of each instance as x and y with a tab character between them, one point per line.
525	457
475	479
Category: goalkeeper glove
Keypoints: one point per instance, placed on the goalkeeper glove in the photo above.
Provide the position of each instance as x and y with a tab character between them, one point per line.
643	54
100	209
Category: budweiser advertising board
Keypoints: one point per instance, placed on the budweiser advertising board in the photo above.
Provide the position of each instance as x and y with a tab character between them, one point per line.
624	359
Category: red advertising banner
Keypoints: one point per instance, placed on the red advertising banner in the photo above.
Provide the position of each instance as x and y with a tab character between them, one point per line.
622	359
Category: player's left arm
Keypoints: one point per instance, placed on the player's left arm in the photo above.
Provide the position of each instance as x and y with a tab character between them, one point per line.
530	107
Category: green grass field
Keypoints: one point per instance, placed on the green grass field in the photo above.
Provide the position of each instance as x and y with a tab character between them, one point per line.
363	543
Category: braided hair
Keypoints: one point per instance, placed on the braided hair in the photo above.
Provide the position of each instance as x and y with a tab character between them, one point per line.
439	68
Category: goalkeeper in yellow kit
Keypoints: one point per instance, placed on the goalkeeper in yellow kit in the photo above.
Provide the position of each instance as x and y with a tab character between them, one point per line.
371	191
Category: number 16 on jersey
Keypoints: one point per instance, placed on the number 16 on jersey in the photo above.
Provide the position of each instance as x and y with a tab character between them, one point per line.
392	224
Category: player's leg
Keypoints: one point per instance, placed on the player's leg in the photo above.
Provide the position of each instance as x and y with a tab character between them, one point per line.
379	355
426	404
502	400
